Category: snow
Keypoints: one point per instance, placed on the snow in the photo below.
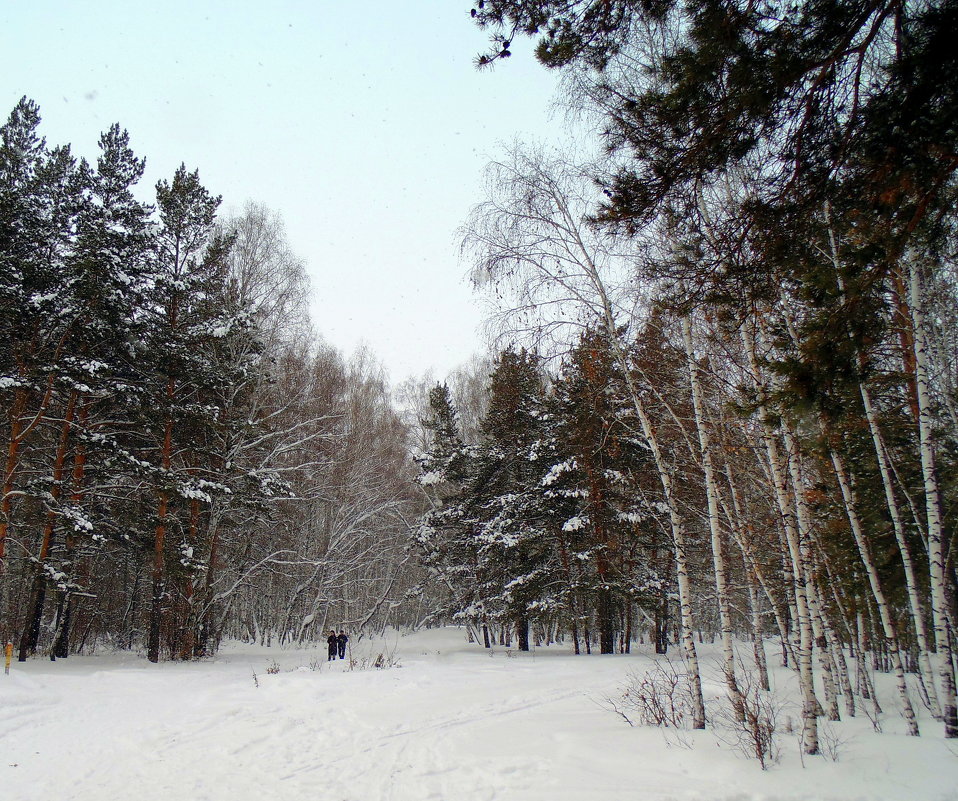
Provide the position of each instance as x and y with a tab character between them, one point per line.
557	470
575	523
430	478
452	722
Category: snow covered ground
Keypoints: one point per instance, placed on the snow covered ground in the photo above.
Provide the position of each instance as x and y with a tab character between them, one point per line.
452	722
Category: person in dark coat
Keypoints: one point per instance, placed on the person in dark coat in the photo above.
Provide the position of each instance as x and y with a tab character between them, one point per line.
341	641
332	641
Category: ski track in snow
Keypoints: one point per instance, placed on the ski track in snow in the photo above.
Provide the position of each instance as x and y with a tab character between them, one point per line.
451	724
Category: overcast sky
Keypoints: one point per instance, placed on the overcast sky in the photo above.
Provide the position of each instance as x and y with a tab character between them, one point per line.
364	124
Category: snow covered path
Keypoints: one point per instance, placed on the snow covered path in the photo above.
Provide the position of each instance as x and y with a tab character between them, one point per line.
452	723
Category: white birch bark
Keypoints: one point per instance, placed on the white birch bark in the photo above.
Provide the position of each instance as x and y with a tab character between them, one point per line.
796	473
718	555
835	641
835	644
810	705
676	521
936	555
754	573
865	684
878	593
925	675
819	628
677	526
758	641
787	567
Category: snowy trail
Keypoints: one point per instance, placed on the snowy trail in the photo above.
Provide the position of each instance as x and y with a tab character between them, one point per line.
451	724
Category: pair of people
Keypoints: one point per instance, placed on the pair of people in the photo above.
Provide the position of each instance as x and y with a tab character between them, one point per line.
337	645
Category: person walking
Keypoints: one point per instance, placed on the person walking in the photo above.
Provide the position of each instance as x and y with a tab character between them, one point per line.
332	641
341	641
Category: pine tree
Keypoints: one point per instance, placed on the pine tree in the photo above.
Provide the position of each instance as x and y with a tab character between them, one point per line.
445	534
598	431
186	314
515	550
40	195
105	274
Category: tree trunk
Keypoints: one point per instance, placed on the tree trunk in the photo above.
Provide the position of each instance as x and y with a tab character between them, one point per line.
754	573
810	705
159	543
522	633
936	551
31	629
676	522
878	592
718	555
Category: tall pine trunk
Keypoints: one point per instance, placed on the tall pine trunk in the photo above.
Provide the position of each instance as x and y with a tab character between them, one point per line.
159	540
31	630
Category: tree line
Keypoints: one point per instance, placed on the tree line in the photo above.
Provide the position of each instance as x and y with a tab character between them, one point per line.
735	410
183	458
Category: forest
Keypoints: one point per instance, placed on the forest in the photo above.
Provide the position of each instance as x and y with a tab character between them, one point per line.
184	459
720	401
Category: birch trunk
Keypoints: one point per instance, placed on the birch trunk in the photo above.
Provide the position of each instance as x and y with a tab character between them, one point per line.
718	556
926	675
810	705
819	629
752	574
676	522
936	550
884	613
844	682
864	677
677	526
803	518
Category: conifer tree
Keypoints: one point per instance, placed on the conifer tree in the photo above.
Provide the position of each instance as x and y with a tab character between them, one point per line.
515	551
105	275
186	315
40	195
599	432
445	533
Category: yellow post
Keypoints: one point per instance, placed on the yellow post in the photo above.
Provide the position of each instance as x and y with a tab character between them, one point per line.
8	656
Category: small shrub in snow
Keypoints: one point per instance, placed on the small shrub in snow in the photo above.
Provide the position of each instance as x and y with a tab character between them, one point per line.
661	697
273	668
382	661
873	712
831	741
755	733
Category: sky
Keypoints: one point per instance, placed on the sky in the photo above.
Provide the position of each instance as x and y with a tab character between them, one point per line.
365	125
